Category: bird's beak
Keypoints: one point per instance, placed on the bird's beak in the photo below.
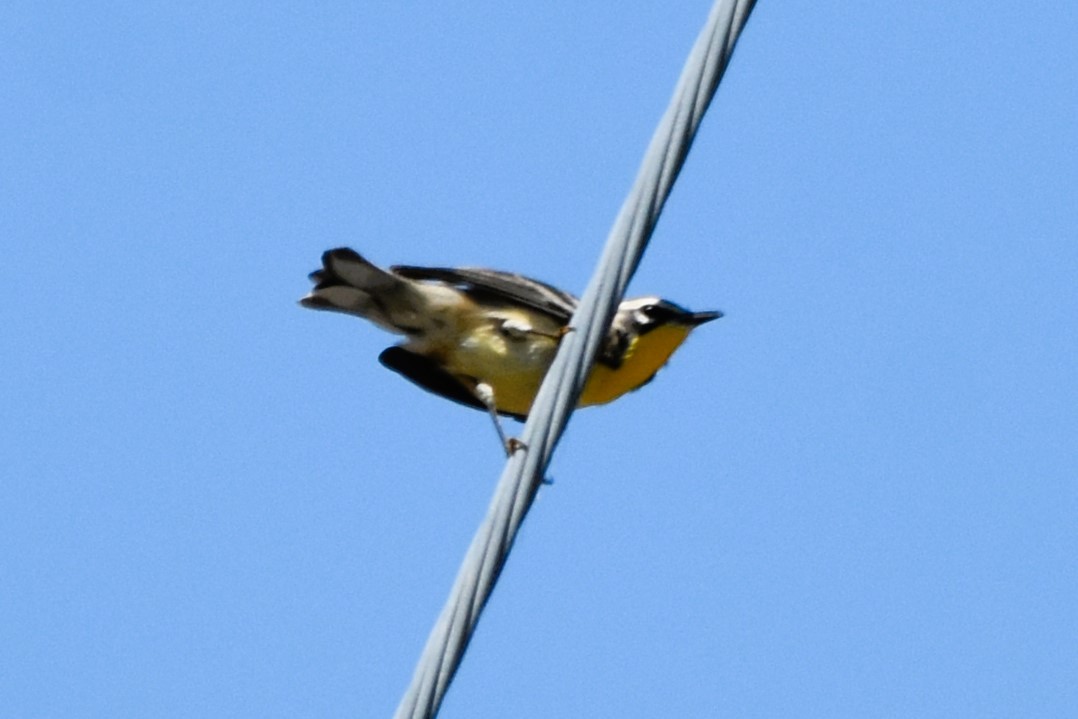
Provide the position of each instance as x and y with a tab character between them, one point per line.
695	319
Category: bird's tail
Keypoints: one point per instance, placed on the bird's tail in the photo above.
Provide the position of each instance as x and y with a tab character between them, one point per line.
348	283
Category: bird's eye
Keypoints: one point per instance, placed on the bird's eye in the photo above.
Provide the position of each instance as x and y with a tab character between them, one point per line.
644	315
652	311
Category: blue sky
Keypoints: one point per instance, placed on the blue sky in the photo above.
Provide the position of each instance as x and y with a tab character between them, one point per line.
854	496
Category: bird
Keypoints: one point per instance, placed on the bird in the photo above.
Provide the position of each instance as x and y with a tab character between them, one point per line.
485	338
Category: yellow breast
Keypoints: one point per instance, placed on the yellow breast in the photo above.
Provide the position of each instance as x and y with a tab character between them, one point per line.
514	367
644	358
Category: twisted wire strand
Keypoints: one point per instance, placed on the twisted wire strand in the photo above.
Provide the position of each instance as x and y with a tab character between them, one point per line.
565	380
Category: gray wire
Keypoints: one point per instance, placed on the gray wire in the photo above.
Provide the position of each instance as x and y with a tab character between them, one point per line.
558	395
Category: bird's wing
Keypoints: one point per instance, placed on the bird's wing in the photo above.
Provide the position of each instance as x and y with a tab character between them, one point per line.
426	373
500	286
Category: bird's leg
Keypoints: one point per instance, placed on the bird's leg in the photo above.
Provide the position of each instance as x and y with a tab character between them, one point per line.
485	393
